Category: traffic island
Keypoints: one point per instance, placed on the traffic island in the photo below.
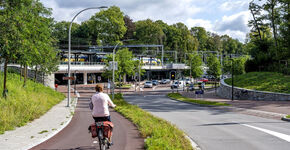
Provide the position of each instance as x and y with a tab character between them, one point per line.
179	97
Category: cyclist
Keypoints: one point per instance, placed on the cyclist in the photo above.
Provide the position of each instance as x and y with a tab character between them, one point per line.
99	105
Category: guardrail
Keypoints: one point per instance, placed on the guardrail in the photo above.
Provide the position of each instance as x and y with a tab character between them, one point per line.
83	63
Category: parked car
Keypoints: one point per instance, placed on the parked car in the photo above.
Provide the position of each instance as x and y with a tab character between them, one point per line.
187	81
165	81
148	84
155	82
203	80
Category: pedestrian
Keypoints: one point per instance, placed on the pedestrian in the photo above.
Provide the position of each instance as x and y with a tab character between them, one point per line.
99	105
55	86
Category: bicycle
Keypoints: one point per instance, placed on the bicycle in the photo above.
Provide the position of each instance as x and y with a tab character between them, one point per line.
102	130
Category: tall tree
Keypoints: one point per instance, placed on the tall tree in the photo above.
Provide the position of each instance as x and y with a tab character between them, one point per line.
214	66
107	26
200	34
195	62
131	28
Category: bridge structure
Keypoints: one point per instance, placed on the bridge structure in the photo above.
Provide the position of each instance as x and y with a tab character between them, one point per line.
87	65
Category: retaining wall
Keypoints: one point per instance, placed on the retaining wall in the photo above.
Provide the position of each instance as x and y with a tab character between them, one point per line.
225	91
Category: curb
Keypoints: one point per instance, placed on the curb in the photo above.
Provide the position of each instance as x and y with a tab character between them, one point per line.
285	119
72	109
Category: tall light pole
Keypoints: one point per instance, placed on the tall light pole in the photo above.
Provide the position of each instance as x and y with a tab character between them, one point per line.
114	69
69	49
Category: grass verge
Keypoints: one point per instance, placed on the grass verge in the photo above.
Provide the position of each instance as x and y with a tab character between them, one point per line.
24	104
159	133
262	81
179	97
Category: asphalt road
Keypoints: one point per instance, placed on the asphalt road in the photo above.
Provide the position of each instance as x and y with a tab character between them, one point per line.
76	137
216	129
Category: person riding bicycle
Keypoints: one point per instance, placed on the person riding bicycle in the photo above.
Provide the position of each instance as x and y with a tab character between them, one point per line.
100	103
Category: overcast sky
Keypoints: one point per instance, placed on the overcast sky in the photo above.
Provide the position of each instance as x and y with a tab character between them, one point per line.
218	16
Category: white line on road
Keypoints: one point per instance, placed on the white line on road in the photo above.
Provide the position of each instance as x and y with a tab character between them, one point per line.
277	134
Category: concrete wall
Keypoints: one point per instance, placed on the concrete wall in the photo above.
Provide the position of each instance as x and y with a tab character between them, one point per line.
225	91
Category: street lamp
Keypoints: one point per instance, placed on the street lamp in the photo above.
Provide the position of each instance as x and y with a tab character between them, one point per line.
232	79
114	69
69	49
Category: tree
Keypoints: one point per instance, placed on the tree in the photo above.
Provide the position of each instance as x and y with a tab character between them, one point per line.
238	64
148	32
195	63
126	64
131	27
107	26
214	66
200	34
25	30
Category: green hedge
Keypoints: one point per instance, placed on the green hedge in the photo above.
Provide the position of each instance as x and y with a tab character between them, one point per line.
24	104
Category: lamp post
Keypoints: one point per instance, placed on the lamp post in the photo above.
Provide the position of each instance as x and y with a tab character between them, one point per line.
232	79
113	93
69	49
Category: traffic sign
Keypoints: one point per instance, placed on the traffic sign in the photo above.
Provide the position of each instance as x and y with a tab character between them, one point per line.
68	78
99	78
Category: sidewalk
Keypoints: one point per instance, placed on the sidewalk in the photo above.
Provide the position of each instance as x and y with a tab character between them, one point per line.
268	109
40	129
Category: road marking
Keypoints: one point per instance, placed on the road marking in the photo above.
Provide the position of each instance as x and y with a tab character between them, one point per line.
154	88
277	134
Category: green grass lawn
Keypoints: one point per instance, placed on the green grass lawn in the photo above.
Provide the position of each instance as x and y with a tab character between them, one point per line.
24	104
159	134
178	96
262	81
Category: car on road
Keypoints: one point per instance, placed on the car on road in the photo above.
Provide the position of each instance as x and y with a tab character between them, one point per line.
165	81
187	81
148	84
203	80
155	82
178	84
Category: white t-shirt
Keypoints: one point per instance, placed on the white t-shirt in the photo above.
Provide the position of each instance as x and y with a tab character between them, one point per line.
101	103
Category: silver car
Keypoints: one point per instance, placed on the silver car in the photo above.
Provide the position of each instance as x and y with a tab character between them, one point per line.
148	84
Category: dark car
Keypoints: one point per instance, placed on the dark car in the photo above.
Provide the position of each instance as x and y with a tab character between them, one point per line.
155	82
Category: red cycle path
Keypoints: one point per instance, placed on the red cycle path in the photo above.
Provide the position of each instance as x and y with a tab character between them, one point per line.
76	137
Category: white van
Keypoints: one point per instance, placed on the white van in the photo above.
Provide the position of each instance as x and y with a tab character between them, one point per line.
178	84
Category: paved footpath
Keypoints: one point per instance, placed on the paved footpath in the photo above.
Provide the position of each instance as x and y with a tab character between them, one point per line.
266	109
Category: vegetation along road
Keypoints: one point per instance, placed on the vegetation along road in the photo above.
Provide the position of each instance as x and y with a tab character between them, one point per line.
214	129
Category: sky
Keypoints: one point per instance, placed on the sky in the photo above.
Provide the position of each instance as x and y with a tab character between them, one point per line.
218	16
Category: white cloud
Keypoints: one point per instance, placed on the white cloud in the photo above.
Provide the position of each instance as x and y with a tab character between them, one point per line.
234	5
200	23
236	22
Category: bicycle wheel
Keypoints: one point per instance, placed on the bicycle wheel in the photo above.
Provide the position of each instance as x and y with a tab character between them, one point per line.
101	140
